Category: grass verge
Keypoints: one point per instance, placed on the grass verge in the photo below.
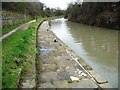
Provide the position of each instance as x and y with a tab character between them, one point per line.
10	28
17	50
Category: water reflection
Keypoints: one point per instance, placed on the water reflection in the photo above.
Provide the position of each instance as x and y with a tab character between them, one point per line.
97	46
98	42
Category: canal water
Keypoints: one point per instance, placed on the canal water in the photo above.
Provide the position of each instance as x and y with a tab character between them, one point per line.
97	46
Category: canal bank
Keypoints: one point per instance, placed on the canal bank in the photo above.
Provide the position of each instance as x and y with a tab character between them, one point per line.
97	46
61	67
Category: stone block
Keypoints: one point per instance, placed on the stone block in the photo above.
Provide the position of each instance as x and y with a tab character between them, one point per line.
105	85
60	84
97	77
48	77
63	75
84	83
49	67
46	85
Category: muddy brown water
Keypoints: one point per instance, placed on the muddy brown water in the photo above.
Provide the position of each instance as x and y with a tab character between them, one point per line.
97	46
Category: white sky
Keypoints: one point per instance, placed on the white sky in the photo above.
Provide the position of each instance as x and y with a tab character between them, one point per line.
57	3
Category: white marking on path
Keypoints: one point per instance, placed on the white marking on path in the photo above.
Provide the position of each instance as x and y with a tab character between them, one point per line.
76	59
74	78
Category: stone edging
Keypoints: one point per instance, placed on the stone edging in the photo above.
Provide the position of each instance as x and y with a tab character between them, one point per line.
100	81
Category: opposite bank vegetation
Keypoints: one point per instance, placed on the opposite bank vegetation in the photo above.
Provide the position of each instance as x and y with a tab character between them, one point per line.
101	14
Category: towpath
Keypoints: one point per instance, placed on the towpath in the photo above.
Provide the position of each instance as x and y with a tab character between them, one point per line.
23	26
60	67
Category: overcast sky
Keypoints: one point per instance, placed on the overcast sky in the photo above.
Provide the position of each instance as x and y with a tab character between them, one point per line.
57	3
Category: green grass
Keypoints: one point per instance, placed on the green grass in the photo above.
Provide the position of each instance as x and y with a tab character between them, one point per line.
16	52
10	28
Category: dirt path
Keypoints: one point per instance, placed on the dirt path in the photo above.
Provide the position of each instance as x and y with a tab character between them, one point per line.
24	26
60	67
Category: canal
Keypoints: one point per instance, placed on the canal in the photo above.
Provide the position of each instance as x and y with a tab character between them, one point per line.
97	46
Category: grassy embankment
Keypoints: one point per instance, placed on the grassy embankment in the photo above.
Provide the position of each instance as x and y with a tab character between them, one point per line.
17	50
8	29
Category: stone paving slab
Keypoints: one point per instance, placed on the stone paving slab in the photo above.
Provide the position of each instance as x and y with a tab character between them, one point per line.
60	84
48	77
46	85
64	62
59	67
48	67
63	75
98	78
73	71
105	85
49	60
85	83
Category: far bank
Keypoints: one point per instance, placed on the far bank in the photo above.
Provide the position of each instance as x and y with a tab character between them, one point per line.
100	14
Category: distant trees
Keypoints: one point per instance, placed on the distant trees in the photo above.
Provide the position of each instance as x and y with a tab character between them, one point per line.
105	14
18	12
32	8
58	12
53	12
